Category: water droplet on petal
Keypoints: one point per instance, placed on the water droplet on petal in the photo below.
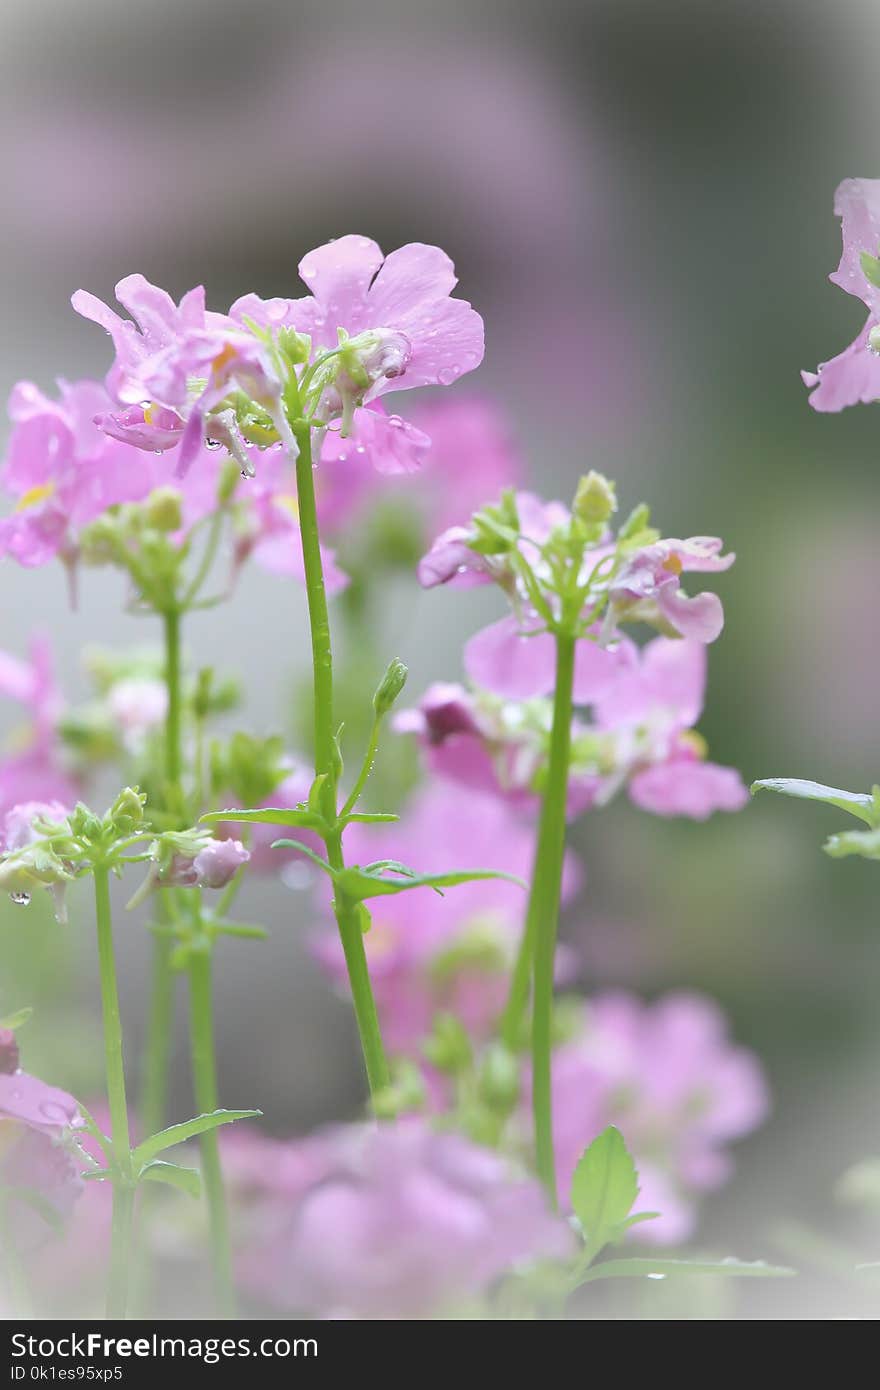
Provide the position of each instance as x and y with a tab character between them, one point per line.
446	376
213	444
20	899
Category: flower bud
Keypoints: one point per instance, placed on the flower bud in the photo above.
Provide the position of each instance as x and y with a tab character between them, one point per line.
449	1047
595	500
215	864
390	686
127	811
163	509
500	1078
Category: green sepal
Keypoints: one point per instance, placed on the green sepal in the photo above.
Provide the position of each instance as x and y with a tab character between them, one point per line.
189	1129
12	1022
870	268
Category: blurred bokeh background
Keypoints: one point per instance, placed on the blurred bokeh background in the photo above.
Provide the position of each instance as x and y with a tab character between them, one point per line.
638	199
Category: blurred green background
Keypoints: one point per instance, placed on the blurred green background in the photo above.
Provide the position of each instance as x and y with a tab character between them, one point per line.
638	197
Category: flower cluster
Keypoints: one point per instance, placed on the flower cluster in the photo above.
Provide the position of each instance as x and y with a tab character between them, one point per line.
388	1222
641	737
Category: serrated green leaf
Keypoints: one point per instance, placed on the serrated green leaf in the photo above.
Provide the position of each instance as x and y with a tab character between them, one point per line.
647	1268
858	804
186	1179
603	1189
189	1129
12	1022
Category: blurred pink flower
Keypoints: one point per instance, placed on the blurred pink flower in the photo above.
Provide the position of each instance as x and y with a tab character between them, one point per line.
429	952
34	771
642	738
214	866
680	1092
36	1152
854	375
389	1221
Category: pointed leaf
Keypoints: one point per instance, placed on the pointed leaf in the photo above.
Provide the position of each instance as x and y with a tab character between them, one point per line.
604	1187
188	1180
369	817
12	1022
357	883
858	804
304	849
863	842
268	815
179	1134
662	1269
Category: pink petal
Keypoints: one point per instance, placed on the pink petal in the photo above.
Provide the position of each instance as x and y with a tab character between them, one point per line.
500	658
339	275
412	275
687	787
700	618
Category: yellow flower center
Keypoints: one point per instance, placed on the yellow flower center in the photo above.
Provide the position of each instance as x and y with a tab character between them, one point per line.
35	495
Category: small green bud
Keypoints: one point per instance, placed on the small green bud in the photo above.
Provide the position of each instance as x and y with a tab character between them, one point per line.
595	499
390	686
127	811
163	509
84	824
448	1048
99	542
499	1078
405	1092
294	347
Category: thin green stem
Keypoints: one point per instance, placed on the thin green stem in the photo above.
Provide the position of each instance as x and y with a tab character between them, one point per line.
160	1028
538	946
205	1083
173	717
14	1276
348	919
123	1191
366	769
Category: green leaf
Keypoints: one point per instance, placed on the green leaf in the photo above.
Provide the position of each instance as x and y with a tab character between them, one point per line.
369	817
662	1269
863	842
12	1022
604	1187
179	1134
304	849
858	804
241	929
186	1179
269	815
357	883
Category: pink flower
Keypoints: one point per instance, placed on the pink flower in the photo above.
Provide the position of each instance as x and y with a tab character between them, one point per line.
18	823
63	472
427	952
680	1092
268	525
648	588
214	866
36	772
854	375
642	738
36	1122
415	332
137	704
389	1221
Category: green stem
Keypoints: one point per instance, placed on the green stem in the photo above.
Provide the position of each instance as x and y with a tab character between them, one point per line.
160	1028
366	768
205	1083
173	755
123	1191
14	1276
347	918
538	946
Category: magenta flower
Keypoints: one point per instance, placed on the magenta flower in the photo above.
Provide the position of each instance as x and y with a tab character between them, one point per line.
414	333
667	1075
63	472
214	866
647	588
36	1153
35	771
854	375
389	1221
641	737
426	952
